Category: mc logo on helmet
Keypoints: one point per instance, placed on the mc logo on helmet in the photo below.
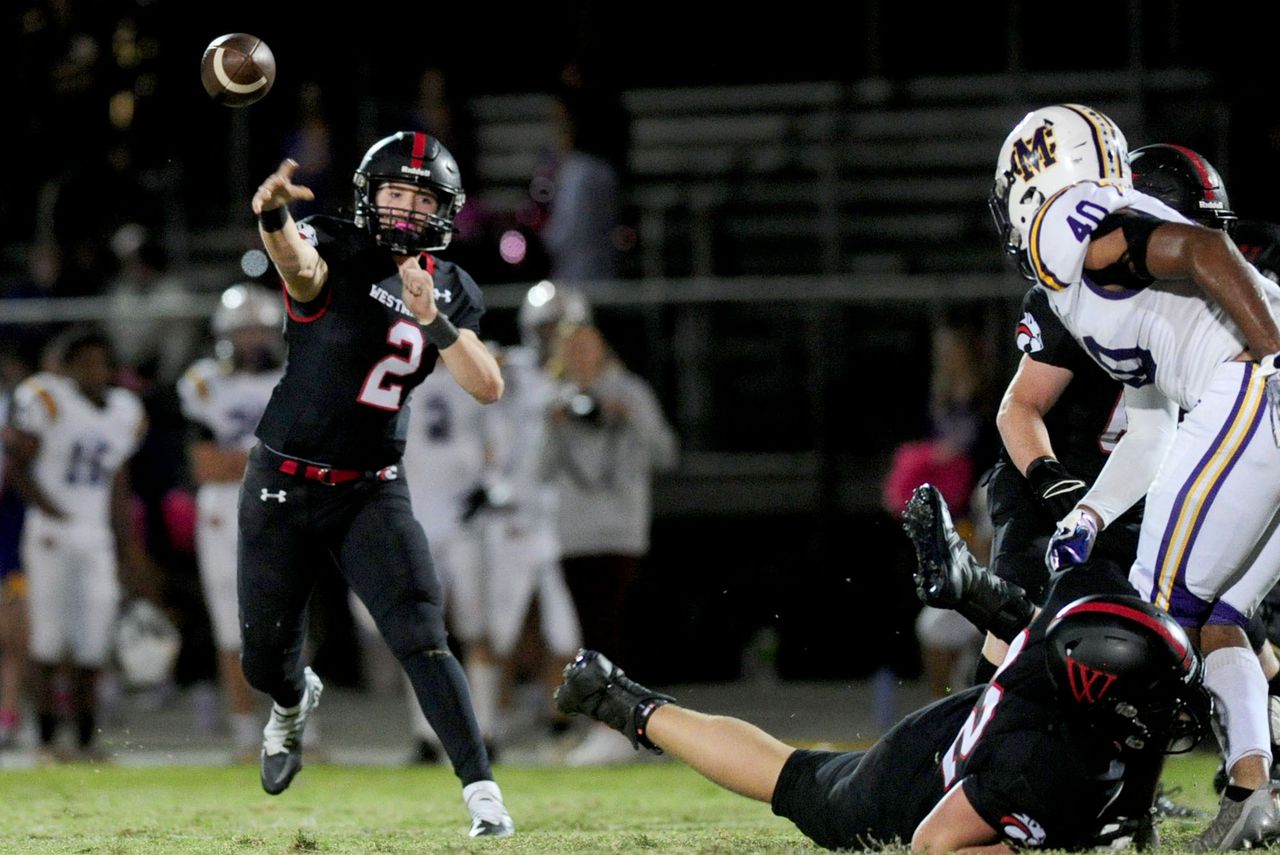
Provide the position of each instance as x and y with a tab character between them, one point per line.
1034	155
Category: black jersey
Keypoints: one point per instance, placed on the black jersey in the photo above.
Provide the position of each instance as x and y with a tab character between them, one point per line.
1030	777
1084	425
1025	774
1087	421
356	352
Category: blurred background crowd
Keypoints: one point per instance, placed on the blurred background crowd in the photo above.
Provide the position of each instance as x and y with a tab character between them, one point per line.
774	224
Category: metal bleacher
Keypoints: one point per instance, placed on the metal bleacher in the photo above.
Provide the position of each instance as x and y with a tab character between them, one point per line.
791	235
828	177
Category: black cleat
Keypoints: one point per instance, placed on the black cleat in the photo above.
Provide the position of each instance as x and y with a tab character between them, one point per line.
941	554
595	687
947	576
282	738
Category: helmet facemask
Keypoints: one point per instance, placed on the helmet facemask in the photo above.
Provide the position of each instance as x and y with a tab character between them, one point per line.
1128	674
403	230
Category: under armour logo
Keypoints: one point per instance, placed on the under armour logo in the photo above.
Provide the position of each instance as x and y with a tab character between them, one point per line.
446	294
1087	684
278	496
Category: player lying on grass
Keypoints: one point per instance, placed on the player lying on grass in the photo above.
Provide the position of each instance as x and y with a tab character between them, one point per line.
1061	750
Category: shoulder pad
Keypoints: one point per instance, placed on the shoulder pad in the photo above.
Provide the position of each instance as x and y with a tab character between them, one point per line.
37	390
1061	230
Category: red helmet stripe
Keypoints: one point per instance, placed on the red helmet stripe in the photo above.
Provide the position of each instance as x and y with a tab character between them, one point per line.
1136	616
419	149
1201	167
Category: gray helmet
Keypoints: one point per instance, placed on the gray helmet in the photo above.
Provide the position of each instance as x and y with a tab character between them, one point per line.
243	306
247	305
547	303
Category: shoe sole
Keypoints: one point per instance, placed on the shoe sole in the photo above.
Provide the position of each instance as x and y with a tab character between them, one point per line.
920	521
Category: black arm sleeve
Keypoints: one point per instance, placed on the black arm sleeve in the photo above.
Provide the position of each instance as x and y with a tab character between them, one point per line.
1130	270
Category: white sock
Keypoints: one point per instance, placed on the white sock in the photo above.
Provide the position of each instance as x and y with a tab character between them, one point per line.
489	787
483	678
1236	680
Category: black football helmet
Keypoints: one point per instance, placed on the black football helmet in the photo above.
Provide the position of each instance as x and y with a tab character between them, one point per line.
1185	181
409	157
1127	671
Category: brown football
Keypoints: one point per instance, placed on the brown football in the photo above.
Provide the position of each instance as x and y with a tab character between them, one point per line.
237	69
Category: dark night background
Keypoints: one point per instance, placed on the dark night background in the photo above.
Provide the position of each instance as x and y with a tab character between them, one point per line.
128	127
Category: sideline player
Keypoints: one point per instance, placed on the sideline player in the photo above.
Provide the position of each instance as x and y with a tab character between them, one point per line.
224	397
1173	311
445	452
72	435
369	308
518	520
13	582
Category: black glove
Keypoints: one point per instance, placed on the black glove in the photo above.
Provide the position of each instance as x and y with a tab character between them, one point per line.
1056	489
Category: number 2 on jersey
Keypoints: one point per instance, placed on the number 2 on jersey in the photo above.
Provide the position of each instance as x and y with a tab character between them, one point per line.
378	389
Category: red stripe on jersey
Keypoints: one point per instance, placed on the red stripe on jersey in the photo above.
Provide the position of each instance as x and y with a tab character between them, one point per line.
304	319
428	263
419	149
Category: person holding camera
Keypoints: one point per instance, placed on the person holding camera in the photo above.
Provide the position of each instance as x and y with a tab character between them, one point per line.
607	436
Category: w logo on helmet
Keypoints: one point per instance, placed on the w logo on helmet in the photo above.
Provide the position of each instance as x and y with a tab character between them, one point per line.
1088	685
1032	156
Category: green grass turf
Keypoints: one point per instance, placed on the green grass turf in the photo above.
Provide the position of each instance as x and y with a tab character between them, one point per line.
646	808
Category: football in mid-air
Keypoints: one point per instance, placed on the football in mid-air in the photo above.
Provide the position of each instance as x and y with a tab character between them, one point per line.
237	69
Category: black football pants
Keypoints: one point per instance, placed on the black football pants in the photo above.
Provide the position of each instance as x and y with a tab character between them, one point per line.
290	528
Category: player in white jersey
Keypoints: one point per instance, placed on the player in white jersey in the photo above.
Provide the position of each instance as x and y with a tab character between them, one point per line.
1173	311
223	397
475	477
72	435
520	523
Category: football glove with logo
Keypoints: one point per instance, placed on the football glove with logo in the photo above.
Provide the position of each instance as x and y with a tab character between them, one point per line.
1056	489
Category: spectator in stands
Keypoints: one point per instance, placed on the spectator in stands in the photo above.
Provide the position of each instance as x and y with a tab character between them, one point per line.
607	436
586	202
311	145
951	457
155	349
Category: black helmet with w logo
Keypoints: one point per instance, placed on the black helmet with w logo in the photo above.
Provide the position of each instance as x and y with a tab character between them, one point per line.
1127	670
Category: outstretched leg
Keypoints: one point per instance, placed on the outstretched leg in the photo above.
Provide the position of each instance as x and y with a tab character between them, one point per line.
732	753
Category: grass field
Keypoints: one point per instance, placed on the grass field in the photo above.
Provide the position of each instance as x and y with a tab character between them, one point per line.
646	808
